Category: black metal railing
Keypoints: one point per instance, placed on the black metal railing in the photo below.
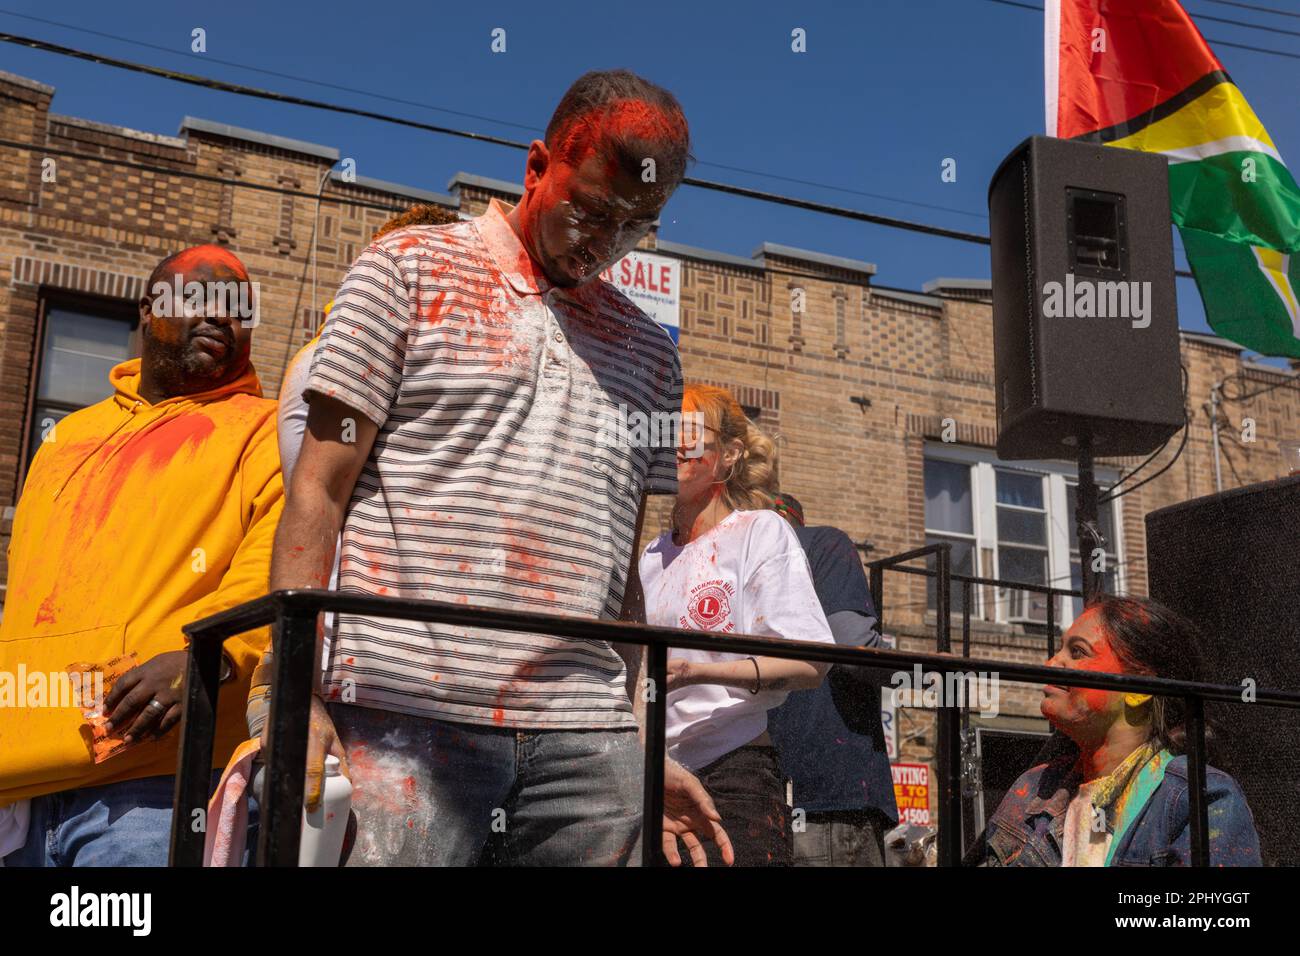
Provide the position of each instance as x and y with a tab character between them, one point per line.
293	615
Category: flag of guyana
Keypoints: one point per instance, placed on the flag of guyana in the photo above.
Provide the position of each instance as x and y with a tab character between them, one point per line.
1137	74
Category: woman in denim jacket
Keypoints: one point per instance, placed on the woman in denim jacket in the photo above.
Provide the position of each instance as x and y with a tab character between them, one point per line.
1119	795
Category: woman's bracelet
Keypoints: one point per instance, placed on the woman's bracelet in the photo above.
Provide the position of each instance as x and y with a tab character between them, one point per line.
758	678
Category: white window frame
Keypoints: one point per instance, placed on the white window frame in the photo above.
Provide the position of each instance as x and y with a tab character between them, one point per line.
984	464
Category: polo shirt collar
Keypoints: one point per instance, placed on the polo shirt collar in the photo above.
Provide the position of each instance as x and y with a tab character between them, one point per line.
512	259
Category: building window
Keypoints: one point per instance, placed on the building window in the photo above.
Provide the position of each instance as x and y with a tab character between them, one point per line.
949	518
1013	521
1022	548
79	345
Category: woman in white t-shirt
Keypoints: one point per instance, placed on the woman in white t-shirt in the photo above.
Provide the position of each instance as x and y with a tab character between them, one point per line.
731	565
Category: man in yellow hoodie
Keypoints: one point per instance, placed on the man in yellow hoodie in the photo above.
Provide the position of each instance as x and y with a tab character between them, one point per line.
146	511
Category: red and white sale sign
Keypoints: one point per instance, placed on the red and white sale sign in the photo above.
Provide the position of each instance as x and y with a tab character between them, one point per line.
653	282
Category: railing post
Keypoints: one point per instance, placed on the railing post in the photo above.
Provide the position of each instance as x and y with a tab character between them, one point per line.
292	680
967	762
655	717
965	618
1051	622
194	765
949	718
943	603
1197	808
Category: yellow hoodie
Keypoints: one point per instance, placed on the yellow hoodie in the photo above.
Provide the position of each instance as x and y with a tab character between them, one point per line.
134	520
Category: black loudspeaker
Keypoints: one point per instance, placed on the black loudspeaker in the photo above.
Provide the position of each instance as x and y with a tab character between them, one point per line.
1230	563
1085	321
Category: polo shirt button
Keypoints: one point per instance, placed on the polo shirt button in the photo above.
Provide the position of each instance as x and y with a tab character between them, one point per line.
559	336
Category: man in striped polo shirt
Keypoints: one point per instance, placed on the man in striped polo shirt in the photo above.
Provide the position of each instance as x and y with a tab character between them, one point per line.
459	399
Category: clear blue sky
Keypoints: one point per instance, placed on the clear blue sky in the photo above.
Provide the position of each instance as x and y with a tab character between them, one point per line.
887	90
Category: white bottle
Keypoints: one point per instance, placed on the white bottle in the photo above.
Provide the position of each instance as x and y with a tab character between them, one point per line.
323	830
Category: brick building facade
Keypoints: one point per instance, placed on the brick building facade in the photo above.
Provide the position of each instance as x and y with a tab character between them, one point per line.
872	394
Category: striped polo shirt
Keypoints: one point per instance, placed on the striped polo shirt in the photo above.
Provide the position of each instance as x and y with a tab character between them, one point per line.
495	478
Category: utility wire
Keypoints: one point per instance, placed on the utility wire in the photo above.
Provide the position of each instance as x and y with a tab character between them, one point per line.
1187	421
1152	457
479	116
1112	494
1235	46
213	84
1256	7
1290	384
257	69
1244	25
338	200
726	188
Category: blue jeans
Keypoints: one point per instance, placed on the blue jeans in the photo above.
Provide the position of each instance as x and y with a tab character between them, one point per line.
118	824
434	793
842	838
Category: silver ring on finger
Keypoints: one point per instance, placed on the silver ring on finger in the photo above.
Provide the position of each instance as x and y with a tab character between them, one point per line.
157	705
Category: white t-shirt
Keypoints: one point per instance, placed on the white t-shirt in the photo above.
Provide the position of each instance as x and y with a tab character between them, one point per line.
748	575
291	421
291	427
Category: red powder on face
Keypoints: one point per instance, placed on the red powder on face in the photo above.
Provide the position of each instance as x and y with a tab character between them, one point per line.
1104	659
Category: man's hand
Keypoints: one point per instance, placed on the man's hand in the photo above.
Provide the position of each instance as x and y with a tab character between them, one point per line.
321	741
147	698
689	813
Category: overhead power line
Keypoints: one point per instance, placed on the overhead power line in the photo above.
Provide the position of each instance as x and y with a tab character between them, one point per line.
1226	43
336	199
241	90
257	69
1256	7
478	116
726	188
1245	26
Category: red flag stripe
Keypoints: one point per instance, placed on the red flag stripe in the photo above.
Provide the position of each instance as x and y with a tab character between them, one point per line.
1149	52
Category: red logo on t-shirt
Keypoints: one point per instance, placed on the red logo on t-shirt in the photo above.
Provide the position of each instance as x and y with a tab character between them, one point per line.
709	607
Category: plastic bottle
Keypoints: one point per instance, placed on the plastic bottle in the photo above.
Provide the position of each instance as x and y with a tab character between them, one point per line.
323	830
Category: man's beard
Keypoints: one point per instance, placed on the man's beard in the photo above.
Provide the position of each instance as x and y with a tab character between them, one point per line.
179	367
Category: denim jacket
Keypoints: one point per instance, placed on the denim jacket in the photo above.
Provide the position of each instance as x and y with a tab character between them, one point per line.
1027	829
